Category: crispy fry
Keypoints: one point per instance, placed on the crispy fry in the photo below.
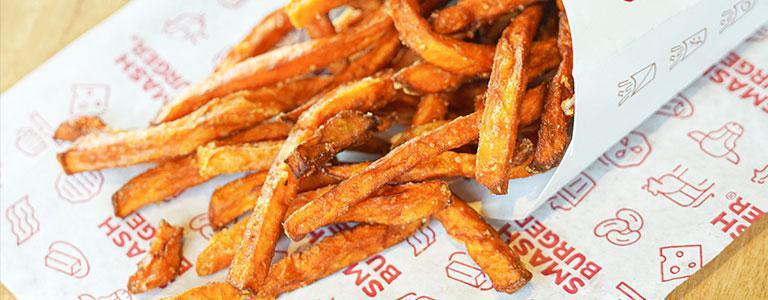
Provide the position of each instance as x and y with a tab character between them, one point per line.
533	104
347	18
506	88
213	160
374	145
543	57
74	129
101	150
332	254
432	107
320	212
555	124
211	291
426	78
320	27
220	250
413	132
234	199
262	38
161	265
468	13
485	246
277	65
345	129
254	253
266	131
447	53
304	12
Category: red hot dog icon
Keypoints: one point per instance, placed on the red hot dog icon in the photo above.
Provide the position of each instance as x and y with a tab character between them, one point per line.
66	258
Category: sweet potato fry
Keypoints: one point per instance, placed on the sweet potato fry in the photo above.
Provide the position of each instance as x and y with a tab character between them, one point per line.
485	246
220	250
468	13
447	53
279	64
101	150
555	124
332	254
213	160
374	145
506	88
73	129
432	107
255	252
304	12
266	131
543	57
410	133
533	104
320	27
262	38
345	129
234	199
211	291
424	78
161	265
320	212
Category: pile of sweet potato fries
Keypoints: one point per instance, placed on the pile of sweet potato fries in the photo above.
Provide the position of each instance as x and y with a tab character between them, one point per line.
482	89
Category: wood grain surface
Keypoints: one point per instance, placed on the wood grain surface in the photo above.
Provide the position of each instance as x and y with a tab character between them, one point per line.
32	31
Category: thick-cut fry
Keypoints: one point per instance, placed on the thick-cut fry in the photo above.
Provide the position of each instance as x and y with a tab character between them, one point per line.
506	88
543	57
101	150
320	27
468	13
345	129
425	78
485	246
410	133
74	129
254	253
277	65
332	254
211	291
432	107
221	249
554	130
213	160
266	131
533	104
161	265
262	38
442	51
322	211
234	199
163	182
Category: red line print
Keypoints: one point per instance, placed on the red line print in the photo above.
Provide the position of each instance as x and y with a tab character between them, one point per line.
24	224
80	187
636	82
675	188
461	268
760	35
721	142
232	4
201	224
66	258
628	291
422	240
630	151
188	26
29	142
679	107
414	296
572	193
678	262
120	294
760	175
623	230
89	99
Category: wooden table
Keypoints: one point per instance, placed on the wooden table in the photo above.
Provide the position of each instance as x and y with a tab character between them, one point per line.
32	31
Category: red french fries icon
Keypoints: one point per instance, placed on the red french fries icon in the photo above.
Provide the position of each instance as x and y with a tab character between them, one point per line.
68	259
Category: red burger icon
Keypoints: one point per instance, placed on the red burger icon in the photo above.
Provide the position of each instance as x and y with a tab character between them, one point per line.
66	258
80	187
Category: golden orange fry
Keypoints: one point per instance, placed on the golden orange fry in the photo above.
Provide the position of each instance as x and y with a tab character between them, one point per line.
485	246
332	254
343	130
432	107
322	211
445	52
304	12
211	291
277	65
74	129
266	131
262	38
234	199
410	133
213	160
161	265
503	101
101	150
320	27
254	254
554	133
424	78
533	104
220	250
468	13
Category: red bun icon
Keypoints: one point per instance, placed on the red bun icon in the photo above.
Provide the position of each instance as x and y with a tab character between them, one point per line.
66	258
80	187
462	269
